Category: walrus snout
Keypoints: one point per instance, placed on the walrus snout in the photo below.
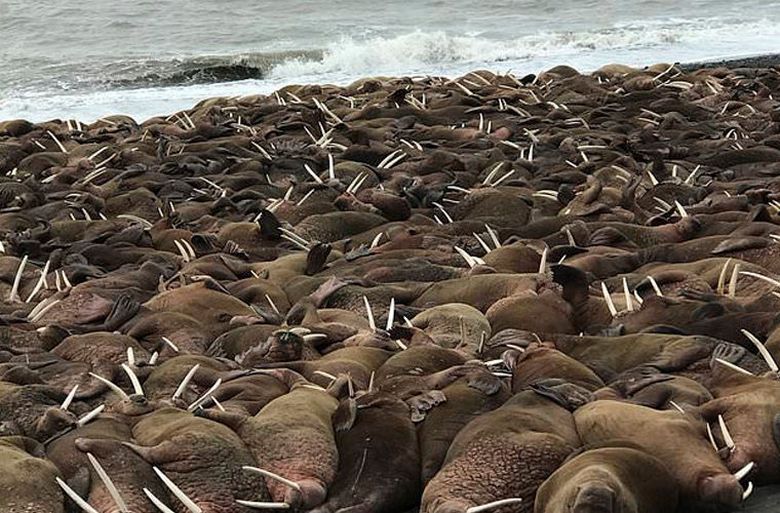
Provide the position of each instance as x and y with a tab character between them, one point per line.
595	498
721	490
310	495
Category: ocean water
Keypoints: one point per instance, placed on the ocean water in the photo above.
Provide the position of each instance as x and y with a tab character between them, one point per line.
88	58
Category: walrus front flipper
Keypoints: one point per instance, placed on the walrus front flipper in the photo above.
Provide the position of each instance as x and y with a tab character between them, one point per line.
739	244
345	415
567	395
124	309
316	258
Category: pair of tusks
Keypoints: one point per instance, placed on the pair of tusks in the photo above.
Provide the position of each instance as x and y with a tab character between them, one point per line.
627	294
730	445
295	239
275	477
107	482
370	314
471	260
185	250
732	290
137	389
392	159
762	350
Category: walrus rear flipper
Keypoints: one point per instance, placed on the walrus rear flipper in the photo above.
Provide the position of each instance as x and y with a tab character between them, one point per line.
739	244
316	258
567	395
270	227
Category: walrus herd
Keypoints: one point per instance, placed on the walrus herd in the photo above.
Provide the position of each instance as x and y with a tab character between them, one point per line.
551	293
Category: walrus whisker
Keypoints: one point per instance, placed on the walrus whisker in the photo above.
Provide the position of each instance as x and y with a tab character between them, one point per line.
17	280
188	503
543	262
83	421
75	497
725	432
765	354
761	277
627	294
69	399
493	236
170	344
608	299
734	367
711	437
494	504
722	278
741	473
263	505
108	483
157	502
733	281
202	399
185	381
369	314
481	242
41	281
121	393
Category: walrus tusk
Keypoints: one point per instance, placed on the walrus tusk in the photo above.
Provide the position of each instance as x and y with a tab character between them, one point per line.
185	381
121	393
491	174
375	240
733	281
41	281
188	503
130	356
133	379
627	294
101	150
387	159
17	280
294	242
182	251
57	141
112	490
390	315
748	490
275	477
273	305
326	375
188	247
739	474
725	431
312	173
295	236
73	495
137	219
263	505
608	299
711	437
689	178
655	286
468	258
680	209
83	421
351	187
66	403
369	314
677	407
170	344
400	345
762	350
494	504
371	382
761	277
446	214
202	399
493	236
722	278
153	358
734	367
543	262
481	242
157	502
